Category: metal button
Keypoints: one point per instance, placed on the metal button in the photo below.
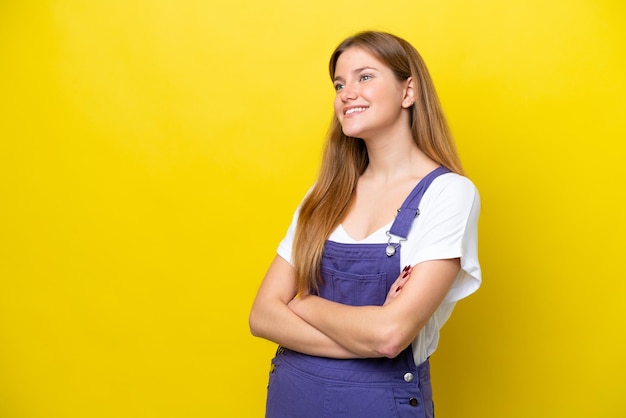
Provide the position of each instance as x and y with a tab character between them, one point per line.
408	377
413	402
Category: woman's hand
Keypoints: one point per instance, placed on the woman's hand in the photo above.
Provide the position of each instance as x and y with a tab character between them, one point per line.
396	287
377	331
394	291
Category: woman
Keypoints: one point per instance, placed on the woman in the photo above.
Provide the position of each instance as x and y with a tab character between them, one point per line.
355	329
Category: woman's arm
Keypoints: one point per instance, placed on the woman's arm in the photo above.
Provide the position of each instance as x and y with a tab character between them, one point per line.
375	331
271	318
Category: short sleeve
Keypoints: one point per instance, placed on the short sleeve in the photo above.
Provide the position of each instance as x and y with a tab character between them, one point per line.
448	228
285	247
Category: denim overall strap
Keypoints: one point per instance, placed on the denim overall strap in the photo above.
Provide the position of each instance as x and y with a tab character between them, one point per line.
409	209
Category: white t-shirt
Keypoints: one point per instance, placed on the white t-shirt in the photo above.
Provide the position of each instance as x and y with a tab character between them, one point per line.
447	227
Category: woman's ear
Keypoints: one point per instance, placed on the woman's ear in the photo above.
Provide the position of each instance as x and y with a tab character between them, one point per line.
409	97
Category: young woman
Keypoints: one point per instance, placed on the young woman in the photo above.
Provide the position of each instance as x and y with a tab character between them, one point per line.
378	253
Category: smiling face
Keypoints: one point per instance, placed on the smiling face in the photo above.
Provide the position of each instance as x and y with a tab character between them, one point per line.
370	101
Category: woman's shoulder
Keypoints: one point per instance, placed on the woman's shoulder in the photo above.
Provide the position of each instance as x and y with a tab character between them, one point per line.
454	184
451	192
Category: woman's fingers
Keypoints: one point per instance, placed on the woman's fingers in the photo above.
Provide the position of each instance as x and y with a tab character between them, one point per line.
404	277
396	287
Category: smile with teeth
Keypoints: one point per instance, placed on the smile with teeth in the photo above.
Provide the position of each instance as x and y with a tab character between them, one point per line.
354	110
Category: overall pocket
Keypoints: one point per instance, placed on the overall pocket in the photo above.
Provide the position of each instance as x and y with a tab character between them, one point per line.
359	401
353	289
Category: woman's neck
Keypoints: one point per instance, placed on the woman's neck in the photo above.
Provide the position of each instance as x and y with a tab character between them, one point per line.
392	160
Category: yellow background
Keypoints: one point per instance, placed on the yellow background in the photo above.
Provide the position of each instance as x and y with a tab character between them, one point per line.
152	153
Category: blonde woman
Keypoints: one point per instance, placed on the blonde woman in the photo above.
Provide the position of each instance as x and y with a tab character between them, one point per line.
379	251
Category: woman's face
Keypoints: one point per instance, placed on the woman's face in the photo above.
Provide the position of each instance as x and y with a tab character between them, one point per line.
370	102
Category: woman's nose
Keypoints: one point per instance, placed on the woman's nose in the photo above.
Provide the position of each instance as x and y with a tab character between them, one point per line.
348	92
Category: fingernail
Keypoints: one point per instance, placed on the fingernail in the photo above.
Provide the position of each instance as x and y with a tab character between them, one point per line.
406	268
398	288
405	274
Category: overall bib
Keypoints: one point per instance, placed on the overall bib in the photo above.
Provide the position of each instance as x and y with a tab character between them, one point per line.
303	386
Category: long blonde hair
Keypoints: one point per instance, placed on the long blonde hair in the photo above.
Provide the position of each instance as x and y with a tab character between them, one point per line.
345	158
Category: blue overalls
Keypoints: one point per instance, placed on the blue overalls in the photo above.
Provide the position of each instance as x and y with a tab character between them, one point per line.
303	386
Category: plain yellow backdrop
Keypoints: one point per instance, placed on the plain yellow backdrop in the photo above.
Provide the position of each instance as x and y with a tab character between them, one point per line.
152	154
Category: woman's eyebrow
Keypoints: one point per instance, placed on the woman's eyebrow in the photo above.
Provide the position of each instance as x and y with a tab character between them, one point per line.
356	71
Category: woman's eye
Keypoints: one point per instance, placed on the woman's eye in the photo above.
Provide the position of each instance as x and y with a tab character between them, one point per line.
365	77
338	87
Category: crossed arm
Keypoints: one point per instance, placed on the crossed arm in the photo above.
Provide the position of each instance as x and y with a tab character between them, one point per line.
316	326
